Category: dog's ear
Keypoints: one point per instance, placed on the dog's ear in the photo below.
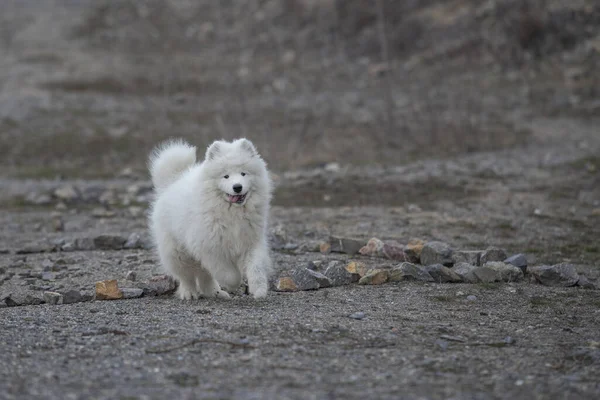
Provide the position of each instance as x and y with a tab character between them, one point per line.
248	147
213	151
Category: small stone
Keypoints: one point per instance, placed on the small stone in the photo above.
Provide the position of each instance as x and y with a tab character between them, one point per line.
373	248
471	297
585	283
338	274
108	290
413	250
506	272
33	248
109	242
132	293
314	265
442	274
346	245
53	298
159	285
492	254
409	272
304	279
357	315
374	277
48	276
80	244
437	253
466	272
72	296
394	251
131	276
518	260
472	257
66	193
325	248
286	284
356	267
556	275
486	275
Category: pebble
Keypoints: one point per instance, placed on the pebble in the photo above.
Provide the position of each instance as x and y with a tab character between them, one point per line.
323	280
346	245
339	275
159	285
356	267
53	298
286	284
437	253
466	272
66	193
506	272
471	297
72	296
357	315
563	274
413	250
108	290
132	293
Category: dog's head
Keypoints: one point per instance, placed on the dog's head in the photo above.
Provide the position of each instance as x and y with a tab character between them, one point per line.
238	171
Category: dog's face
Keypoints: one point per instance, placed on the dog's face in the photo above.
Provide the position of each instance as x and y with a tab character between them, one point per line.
237	170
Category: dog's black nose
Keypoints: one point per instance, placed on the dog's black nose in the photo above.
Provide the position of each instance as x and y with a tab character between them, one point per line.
237	188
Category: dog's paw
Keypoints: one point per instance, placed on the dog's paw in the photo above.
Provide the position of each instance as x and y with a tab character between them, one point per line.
259	292
186	294
221	294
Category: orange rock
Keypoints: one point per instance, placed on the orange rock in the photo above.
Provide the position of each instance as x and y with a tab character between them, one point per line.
108	290
355	267
374	277
325	248
286	284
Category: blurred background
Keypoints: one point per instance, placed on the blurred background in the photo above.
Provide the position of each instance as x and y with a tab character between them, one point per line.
88	87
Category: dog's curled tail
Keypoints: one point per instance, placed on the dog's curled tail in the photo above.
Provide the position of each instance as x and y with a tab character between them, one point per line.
169	160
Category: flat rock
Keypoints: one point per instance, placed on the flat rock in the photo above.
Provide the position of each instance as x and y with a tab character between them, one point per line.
109	242
338	274
492	254
466	271
555	275
108	290
304	279
486	275
374	277
409	272
437	253
508	272
323	281
72	296
472	257
132	293
159	285
442	274
33	248
346	245
518	260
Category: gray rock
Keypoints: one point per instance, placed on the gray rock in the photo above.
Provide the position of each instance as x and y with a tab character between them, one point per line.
338	275
555	275
134	241
66	193
314	265
486	275
346	245
72	296
472	257
466	271
442	274
323	280
132	293
304	279
492	254
48	276
159	285
585	283
506	272
53	298
357	315
518	260
35	248
437	253
109	242
472	297
409	272
131	276
79	244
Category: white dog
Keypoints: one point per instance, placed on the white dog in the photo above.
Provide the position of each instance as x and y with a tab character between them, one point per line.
209	220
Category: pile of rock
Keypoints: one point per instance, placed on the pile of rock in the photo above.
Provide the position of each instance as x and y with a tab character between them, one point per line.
426	262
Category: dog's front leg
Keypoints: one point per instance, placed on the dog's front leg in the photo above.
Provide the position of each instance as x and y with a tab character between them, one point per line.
257	271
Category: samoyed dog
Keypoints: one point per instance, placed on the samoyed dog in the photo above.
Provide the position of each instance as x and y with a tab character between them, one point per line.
209	219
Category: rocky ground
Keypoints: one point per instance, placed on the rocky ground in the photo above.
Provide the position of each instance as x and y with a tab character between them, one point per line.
435	227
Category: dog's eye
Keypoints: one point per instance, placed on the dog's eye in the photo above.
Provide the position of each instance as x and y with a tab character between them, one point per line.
243	174
226	177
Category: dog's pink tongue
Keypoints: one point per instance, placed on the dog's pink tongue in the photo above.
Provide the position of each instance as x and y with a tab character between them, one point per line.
233	199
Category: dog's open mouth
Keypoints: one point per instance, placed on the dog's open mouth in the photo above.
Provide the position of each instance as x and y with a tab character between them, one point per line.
237	198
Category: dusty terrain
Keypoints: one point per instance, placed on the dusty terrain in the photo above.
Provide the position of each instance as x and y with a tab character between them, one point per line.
486	139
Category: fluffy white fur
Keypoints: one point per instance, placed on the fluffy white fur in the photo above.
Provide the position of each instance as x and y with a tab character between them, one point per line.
209	231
